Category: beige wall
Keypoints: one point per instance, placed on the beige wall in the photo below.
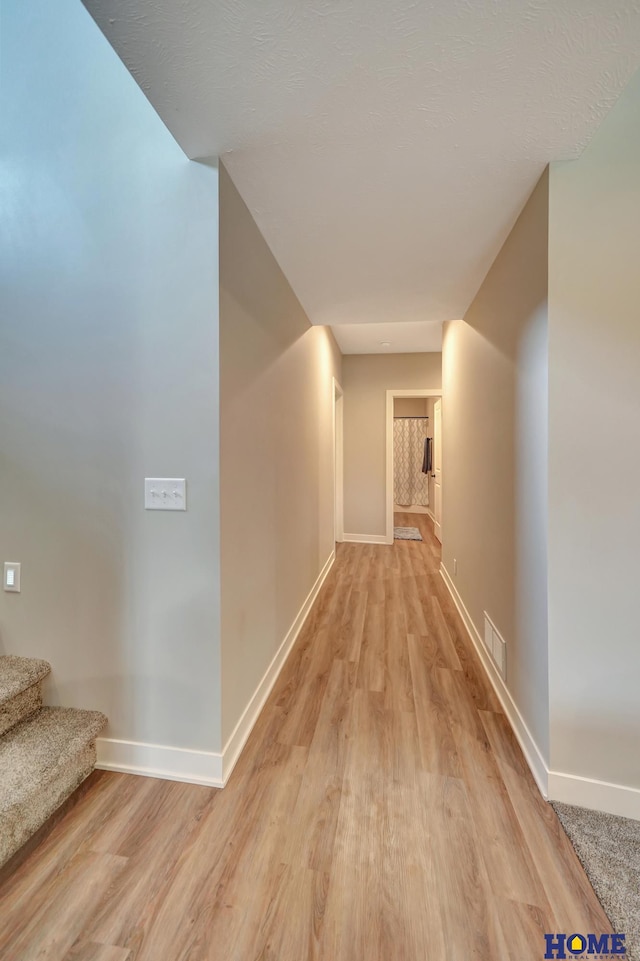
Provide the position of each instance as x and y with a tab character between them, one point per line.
494	457
410	407
276	453
366	379
108	374
594	451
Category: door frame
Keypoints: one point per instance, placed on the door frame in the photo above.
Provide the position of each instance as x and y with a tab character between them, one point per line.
437	525
337	403
391	396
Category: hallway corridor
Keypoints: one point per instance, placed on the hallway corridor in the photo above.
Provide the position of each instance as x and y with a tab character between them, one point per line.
381	811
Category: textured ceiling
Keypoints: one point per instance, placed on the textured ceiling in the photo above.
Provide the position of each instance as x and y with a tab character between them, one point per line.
389	338
384	148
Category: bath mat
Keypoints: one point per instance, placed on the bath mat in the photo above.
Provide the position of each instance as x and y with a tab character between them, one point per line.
406	534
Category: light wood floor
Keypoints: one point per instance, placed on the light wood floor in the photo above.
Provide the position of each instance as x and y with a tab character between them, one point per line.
381	811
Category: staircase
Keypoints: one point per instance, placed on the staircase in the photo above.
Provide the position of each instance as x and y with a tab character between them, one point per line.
45	752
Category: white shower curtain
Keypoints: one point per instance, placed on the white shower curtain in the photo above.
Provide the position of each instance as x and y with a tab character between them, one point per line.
410	485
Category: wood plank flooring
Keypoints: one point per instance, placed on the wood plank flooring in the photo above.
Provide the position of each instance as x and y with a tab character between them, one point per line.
381	811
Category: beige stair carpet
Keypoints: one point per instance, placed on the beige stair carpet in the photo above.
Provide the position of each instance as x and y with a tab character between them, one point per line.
20	688
42	761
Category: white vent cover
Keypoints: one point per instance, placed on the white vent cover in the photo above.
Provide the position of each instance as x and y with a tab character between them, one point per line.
495	645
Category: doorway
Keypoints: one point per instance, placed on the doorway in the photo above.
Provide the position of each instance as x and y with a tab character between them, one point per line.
410	415
437	468
411	446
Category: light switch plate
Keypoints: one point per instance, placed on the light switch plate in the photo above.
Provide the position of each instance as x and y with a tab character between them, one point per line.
12	576
165	494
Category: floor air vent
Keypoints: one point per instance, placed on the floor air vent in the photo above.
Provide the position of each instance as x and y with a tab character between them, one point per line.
495	645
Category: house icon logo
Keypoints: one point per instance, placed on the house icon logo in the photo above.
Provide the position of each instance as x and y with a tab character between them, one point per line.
596	947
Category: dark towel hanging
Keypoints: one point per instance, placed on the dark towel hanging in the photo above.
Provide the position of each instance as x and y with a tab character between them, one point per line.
426	460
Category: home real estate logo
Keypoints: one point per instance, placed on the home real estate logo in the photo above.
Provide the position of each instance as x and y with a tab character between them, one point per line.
592	946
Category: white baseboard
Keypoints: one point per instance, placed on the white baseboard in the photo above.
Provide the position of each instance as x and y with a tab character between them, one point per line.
587	792
431	514
243	728
157	760
554	785
202	767
530	749
365	539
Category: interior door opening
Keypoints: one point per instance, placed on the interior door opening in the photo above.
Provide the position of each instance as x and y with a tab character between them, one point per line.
437	469
411	453
411	477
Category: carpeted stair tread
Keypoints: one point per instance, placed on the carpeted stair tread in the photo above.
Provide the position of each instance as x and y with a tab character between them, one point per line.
33	751
17	674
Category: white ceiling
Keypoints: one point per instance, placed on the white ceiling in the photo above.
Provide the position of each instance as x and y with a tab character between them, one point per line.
384	147
390	338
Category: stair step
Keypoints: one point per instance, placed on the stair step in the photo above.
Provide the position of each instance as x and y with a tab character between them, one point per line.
42	761
20	688
19	673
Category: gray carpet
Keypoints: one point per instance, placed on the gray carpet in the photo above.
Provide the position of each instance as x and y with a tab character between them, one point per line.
609	849
406	534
